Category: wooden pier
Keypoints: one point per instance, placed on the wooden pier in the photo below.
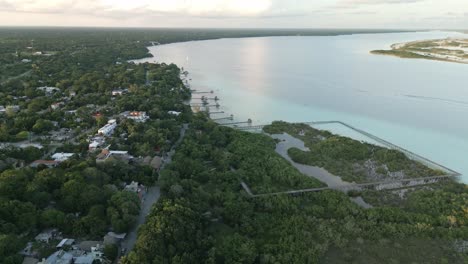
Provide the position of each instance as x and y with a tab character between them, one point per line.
231	117
201	92
249	121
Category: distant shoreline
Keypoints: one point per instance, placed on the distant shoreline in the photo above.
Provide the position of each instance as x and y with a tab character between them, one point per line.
447	50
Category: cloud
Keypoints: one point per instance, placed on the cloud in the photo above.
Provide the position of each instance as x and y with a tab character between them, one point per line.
186	7
359	3
233	13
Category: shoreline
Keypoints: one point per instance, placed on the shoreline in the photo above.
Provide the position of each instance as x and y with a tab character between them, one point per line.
379	53
358	32
213	117
446	49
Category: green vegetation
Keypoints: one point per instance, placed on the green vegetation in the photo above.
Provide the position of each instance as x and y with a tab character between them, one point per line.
352	160
204	216
81	198
254	157
453	50
399	53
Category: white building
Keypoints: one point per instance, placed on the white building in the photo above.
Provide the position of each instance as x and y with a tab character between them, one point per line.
118	154
132	187
96	142
65	242
174	113
117	92
138	116
94	145
2	109
62	156
56	106
48	90
108	129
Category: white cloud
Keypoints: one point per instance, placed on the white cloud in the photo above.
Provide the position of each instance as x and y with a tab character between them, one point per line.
187	7
236	13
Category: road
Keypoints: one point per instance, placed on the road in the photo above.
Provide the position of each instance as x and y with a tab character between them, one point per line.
168	158
151	197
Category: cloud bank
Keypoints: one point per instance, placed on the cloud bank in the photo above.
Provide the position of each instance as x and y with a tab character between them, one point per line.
237	13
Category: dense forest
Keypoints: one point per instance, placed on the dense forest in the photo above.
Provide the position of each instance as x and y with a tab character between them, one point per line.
206	217
203	215
80	197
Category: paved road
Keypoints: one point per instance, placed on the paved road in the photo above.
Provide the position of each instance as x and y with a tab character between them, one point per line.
150	198
168	158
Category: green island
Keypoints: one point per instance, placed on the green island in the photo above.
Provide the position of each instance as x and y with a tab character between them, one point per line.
352	160
450	49
103	158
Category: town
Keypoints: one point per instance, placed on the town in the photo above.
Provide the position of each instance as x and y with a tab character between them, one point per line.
84	161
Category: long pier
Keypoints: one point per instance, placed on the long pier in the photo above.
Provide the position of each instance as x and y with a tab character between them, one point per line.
201	92
231	117
378	186
237	123
205	105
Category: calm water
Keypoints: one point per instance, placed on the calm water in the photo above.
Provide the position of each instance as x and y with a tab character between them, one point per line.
421	105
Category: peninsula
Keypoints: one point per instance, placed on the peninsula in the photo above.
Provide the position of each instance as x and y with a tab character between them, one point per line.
450	49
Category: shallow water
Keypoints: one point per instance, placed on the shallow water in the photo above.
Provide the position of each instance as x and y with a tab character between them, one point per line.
421	105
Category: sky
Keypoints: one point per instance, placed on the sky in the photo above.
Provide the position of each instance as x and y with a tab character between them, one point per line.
404	14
